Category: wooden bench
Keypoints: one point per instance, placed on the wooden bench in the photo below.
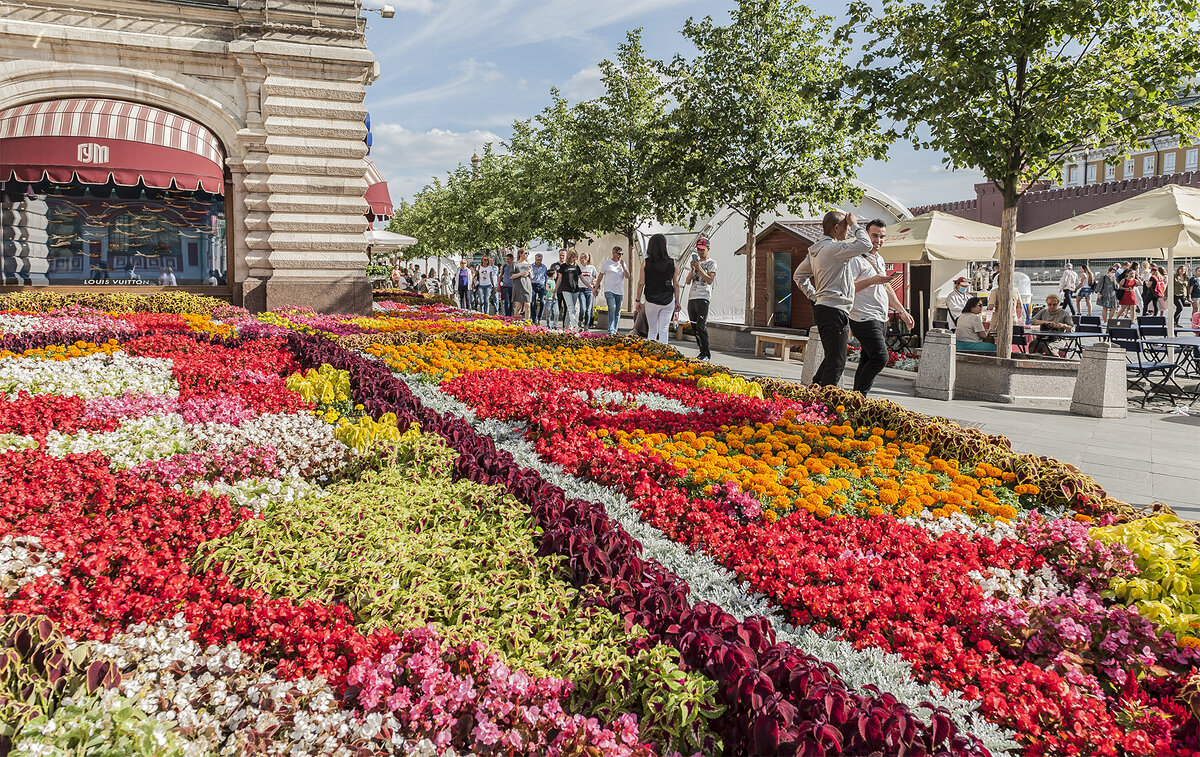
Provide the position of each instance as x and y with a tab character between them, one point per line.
783	344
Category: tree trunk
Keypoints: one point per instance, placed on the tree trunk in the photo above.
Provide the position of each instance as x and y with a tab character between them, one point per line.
751	265
1003	318
632	264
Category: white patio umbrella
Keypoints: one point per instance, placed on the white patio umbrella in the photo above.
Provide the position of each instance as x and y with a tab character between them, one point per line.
939	236
388	240
1153	224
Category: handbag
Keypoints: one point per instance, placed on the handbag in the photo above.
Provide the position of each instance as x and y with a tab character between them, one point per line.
641	326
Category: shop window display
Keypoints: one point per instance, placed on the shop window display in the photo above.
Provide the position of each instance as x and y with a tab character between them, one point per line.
80	233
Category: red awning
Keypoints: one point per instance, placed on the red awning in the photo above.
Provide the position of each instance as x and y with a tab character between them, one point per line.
96	141
377	192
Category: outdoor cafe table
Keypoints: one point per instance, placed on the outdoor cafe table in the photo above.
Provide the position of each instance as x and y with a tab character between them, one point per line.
1185	359
1073	338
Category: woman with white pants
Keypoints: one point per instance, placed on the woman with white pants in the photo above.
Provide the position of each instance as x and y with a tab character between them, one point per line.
659	285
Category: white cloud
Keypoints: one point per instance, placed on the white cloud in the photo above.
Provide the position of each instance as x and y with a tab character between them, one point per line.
510	23
472	75
409	160
585	84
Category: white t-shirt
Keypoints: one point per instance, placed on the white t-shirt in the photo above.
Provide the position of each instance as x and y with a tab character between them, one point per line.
968	328
612	276
171	282
587	275
488	275
701	290
871	304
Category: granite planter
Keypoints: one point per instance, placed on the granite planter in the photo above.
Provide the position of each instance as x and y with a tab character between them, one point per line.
1028	380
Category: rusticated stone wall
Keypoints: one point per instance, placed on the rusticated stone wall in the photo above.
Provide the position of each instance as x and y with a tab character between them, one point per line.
280	82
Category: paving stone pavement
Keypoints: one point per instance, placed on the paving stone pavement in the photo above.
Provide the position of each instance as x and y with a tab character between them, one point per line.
1150	456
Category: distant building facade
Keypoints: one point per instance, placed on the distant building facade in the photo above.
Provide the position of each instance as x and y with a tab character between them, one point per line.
225	139
1090	181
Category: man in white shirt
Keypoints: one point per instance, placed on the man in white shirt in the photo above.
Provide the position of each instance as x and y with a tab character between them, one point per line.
957	299
613	274
869	314
1068	284
824	275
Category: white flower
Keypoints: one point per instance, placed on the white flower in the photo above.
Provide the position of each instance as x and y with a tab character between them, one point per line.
97	375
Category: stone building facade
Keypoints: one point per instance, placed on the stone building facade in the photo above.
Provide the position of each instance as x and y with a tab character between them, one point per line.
280	84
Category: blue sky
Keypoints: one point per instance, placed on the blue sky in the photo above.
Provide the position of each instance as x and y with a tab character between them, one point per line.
456	73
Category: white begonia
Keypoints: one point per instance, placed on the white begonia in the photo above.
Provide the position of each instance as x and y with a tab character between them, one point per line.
97	375
647	400
710	582
260	494
16	441
23	559
960	523
305	444
16	323
135	441
212	694
1037	587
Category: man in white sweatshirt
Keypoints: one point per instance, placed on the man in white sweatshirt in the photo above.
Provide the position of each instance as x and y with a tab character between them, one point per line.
826	277
1068	284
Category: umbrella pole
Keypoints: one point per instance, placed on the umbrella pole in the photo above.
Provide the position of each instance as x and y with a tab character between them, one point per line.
1171	294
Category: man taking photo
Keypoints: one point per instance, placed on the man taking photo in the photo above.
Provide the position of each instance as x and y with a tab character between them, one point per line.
824	275
873	296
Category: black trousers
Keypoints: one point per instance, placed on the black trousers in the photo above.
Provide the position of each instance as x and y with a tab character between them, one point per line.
872	335
698	315
831	323
539	302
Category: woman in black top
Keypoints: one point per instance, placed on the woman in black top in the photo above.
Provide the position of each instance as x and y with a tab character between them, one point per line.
660	285
567	278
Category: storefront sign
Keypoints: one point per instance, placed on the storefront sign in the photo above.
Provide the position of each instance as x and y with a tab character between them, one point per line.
90	152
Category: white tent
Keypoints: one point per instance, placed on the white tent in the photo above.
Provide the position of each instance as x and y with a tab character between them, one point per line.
940	236
387	241
1153	224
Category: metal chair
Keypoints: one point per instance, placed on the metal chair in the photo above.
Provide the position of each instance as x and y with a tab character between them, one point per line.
1152	321
1020	339
1087	320
899	339
1141	368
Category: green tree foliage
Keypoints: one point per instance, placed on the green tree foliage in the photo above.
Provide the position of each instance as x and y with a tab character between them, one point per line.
763	108
1012	87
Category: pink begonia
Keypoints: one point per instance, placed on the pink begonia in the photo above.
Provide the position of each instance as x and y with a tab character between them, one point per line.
215	408
251	461
135	405
513	713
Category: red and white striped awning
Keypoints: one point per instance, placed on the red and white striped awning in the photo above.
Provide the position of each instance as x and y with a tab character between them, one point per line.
377	193
96	141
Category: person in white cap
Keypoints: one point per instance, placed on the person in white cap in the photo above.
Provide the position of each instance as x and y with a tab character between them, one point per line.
700	276
824	275
1068	284
957	299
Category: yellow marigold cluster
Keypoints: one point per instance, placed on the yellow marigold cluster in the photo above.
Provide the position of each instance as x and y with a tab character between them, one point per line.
66	352
829	470
446	359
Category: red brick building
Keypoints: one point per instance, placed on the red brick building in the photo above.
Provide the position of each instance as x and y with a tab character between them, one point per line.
1046	204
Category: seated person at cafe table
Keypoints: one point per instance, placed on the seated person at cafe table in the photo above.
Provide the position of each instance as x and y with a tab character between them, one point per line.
970	333
1051	318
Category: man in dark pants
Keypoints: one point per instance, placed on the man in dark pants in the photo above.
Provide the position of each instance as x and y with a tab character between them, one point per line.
869	314
700	276
824	275
538	275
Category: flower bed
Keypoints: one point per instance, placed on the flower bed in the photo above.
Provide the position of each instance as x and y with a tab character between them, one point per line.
583	545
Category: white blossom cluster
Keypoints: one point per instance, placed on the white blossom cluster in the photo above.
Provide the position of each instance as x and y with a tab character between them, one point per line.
647	400
960	523
24	559
108	724
1038	586
15	323
711	582
304	443
259	494
96	375
16	441
228	705
136	440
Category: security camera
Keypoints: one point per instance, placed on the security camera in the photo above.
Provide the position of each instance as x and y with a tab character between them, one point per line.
387	11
